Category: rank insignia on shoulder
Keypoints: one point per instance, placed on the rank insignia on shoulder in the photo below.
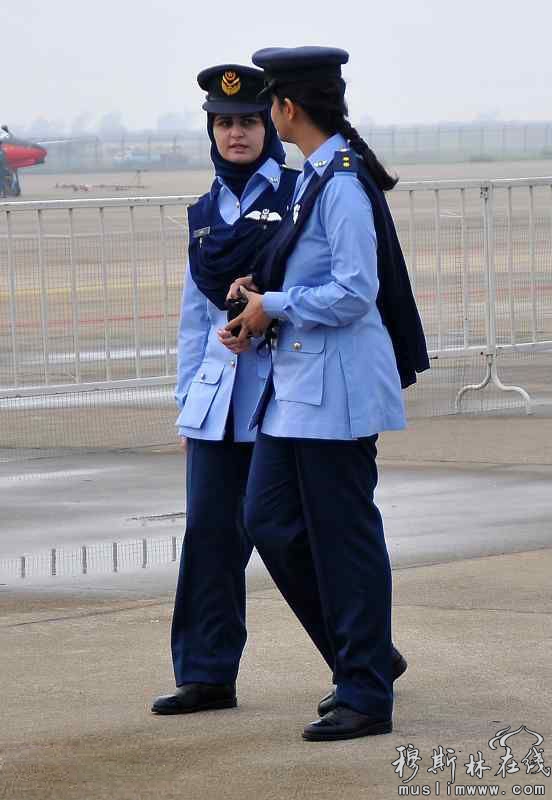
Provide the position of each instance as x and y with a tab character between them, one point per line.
345	161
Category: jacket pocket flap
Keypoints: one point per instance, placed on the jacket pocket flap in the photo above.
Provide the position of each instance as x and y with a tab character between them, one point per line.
208	373
313	341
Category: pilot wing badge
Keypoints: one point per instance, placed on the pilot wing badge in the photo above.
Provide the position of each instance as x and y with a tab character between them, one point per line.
264	216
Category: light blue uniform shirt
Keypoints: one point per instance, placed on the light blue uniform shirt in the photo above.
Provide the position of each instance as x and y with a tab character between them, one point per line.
209	376
231	208
335	374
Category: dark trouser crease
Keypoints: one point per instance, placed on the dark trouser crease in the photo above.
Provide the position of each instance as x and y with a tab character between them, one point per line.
208	628
310	512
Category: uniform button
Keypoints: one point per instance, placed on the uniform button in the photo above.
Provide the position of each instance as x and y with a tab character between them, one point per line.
238	204
202	376
297	346
232	363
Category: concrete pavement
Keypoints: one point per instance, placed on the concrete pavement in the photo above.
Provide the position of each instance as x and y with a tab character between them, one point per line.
78	677
82	658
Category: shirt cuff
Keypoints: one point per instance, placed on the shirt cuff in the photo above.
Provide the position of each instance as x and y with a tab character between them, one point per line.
274	304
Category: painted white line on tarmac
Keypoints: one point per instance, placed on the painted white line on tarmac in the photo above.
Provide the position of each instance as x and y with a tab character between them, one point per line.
35	477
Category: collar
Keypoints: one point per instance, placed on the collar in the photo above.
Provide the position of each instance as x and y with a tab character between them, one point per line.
322	156
272	171
269	171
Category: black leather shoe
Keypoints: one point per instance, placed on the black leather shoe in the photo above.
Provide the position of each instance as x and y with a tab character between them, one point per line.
345	723
193	697
399	666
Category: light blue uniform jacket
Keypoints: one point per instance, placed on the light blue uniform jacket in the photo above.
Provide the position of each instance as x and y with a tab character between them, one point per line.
209	376
334	369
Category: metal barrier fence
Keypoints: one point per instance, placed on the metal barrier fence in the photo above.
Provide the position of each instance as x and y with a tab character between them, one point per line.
90	293
496	300
395	143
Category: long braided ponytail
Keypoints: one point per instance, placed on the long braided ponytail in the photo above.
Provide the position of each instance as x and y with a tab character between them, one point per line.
324	103
383	179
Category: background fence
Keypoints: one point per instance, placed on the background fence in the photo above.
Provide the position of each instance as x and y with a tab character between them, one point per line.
94	559
396	144
90	293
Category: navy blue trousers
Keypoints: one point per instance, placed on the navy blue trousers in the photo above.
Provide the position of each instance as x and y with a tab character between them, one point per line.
208	628
310	512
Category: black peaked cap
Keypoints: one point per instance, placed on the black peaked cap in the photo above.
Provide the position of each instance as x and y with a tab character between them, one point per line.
295	64
232	89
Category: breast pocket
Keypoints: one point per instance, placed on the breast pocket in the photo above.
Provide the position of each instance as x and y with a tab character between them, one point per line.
200	395
299	366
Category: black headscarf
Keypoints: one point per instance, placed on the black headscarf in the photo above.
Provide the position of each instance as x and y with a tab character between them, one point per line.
219	252
235	176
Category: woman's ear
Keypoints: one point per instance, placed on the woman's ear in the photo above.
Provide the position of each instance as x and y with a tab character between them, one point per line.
289	109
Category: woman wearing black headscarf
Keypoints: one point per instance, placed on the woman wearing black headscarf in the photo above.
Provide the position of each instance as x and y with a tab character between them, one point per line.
217	390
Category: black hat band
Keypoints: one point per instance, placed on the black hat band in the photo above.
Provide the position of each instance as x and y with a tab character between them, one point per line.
289	76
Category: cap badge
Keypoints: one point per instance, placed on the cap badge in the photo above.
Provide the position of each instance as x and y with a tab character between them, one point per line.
231	83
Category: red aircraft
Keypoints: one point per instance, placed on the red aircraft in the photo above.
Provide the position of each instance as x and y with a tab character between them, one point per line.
15	154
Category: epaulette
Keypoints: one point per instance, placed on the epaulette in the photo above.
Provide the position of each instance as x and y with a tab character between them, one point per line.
345	161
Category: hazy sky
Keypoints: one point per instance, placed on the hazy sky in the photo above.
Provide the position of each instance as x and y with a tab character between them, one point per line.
411	60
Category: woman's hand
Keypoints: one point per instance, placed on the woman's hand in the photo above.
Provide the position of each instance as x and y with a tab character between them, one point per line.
246	282
232	342
253	319
182	443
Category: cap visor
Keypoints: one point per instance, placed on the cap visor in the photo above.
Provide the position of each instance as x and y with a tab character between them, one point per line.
229	107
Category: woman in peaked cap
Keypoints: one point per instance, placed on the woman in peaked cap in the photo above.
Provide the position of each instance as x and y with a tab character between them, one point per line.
216	390
346	337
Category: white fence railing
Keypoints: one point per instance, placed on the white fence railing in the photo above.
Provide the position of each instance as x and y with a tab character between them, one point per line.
510	261
90	289
90	292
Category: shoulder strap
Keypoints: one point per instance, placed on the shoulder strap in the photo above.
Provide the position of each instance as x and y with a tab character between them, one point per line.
345	161
288	179
270	264
395	301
